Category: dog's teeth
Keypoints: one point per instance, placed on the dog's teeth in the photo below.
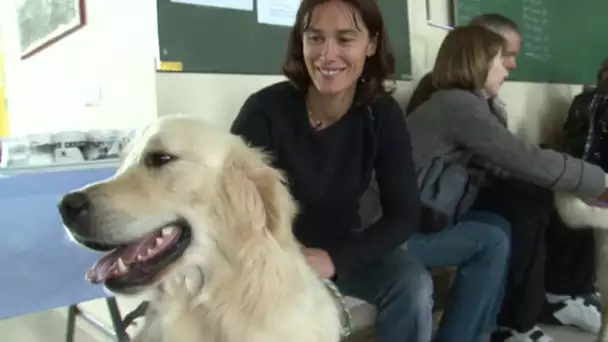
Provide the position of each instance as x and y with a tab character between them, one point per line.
150	251
139	257
158	241
121	266
167	231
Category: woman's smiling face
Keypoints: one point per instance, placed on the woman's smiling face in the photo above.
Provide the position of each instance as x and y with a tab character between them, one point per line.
336	45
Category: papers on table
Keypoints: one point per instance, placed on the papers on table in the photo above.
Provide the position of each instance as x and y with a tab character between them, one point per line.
270	12
245	5
277	12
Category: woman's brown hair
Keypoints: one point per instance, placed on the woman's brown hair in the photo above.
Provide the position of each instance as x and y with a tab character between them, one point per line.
378	72
465	57
423	91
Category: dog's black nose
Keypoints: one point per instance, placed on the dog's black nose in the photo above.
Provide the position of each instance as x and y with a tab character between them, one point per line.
74	207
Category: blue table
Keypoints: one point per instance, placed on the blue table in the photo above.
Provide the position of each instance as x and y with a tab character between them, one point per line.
41	269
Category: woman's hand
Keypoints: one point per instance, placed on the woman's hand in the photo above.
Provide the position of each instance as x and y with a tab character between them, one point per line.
601	200
320	261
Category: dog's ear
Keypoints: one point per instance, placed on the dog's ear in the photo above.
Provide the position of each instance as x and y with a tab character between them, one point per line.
258	192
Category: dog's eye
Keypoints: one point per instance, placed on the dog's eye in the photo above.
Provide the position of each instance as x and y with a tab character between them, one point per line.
158	159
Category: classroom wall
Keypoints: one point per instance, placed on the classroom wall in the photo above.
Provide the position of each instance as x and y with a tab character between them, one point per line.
101	76
113	57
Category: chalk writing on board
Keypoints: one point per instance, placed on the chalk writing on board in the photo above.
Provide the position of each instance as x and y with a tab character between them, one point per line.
465	14
535	27
467	10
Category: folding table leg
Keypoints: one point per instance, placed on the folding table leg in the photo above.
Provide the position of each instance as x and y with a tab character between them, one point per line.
119	328
140	311
71	326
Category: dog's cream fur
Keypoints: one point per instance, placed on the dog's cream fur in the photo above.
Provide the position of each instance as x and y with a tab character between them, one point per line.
577	214
243	278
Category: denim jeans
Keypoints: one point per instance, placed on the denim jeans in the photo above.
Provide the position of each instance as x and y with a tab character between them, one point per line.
401	288
479	247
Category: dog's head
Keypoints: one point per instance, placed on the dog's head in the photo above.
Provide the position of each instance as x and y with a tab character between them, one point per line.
185	196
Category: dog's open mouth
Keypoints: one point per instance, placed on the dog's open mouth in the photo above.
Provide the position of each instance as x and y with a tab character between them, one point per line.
140	262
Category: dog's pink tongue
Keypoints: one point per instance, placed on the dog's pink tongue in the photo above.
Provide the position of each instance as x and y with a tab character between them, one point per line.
103	268
109	265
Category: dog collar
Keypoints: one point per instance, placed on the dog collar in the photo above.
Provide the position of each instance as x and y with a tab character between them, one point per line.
346	319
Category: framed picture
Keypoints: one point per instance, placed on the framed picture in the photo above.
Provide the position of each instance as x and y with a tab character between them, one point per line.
44	22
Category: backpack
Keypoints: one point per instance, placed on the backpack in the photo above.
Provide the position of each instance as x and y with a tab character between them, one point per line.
586	128
448	188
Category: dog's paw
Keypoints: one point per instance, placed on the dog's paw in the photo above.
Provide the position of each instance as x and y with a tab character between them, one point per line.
193	279
576	213
184	287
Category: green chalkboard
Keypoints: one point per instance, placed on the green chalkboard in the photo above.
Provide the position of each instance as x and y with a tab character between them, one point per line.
217	40
564	41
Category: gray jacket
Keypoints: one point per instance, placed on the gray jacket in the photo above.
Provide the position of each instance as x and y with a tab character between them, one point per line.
453	119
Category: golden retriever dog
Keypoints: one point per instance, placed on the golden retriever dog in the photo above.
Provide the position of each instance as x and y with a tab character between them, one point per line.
202	224
577	214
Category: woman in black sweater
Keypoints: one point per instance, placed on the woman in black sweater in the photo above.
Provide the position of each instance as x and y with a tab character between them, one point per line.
332	128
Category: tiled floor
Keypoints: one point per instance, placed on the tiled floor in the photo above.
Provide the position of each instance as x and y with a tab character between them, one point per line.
50	326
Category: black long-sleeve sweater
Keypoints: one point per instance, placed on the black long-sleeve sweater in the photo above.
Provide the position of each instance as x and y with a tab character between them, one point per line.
329	170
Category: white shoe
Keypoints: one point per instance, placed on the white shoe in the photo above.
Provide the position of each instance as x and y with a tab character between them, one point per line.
581	312
533	335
